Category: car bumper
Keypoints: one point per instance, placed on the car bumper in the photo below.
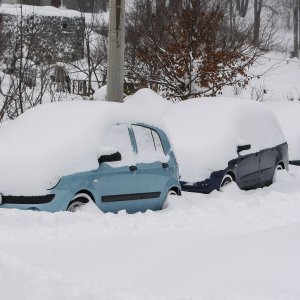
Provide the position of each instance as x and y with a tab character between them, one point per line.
206	186
57	201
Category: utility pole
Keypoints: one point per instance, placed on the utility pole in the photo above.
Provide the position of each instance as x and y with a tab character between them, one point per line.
116	48
296	28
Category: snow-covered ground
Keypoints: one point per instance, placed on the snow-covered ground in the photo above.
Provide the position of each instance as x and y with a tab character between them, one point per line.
277	79
230	245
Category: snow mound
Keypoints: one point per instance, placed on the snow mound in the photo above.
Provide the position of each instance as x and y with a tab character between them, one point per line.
206	132
100	94
149	101
57	139
288	114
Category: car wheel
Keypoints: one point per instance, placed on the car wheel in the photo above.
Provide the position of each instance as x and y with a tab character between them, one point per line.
170	193
78	201
227	179
278	168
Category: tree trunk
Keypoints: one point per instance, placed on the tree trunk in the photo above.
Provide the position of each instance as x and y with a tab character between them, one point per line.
257	11
296	28
242	7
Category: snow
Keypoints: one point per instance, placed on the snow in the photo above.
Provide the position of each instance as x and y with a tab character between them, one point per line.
231	245
149	101
287	113
39	10
100	94
206	132
276	79
58	139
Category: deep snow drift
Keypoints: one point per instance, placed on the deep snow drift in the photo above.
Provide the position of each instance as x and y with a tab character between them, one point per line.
230	245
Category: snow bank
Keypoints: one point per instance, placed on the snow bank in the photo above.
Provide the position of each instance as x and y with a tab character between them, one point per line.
206	132
57	139
288	114
149	101
232	245
275	78
100	94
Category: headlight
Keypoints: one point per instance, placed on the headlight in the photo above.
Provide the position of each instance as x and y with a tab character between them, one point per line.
53	182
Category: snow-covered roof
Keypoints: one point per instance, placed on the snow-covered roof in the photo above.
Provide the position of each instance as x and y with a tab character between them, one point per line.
57	139
15	9
50	11
206	132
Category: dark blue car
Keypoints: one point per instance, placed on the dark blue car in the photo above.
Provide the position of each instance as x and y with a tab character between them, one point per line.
220	140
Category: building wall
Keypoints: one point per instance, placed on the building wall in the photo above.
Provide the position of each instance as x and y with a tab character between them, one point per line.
10	1
49	38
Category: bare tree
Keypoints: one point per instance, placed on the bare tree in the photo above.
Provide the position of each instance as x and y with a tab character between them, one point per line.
24	82
191	53
95	58
242	7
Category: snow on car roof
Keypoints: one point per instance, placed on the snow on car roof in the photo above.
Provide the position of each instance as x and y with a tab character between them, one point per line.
150	101
57	139
206	132
288	113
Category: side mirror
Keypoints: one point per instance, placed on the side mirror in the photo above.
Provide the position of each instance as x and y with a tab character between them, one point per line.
243	147
110	157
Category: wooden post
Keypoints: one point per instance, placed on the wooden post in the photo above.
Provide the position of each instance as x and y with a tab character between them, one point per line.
116	48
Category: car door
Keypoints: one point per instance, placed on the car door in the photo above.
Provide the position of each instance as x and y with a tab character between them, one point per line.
248	171
267	165
116	182
153	166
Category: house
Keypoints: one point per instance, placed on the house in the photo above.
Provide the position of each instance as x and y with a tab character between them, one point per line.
47	35
80	5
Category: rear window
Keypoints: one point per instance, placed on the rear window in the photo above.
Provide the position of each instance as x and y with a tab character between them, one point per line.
149	146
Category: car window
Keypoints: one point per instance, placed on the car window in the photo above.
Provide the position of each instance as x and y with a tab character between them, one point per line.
149	145
260	129
118	137
157	143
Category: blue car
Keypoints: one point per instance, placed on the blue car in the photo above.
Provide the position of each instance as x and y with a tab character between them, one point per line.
115	156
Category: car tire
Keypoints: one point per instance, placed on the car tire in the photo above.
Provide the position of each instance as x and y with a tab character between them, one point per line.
170	193
78	201
227	179
279	167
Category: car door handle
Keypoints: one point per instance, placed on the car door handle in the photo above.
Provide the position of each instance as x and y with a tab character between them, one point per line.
165	165
133	168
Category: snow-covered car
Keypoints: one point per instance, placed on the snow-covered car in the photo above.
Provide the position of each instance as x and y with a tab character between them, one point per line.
59	156
287	114
219	140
